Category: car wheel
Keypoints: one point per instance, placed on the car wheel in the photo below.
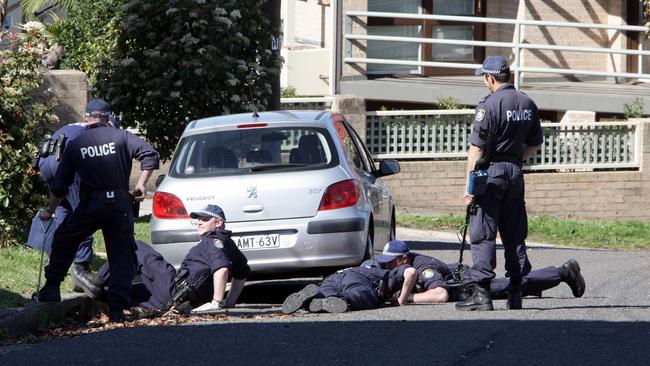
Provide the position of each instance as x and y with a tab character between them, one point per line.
393	229
370	249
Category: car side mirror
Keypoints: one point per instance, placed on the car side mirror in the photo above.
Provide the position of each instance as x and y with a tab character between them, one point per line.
387	167
159	179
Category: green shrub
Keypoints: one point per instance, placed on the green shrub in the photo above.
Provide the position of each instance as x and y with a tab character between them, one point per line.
88	33
23	117
634	109
178	61
449	103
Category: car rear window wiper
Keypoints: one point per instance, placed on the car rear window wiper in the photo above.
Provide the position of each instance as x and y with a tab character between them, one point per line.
263	167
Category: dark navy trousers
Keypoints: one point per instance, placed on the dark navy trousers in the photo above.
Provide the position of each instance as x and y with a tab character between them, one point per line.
354	287
500	208
533	283
84	254
115	219
157	278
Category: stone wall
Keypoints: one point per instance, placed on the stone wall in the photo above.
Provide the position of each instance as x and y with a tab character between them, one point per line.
70	88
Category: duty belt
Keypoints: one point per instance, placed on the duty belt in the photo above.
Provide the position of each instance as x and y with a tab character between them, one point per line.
498	158
107	194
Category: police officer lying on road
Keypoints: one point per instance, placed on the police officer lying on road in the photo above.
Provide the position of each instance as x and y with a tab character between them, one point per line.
432	275
204	272
506	131
101	156
356	288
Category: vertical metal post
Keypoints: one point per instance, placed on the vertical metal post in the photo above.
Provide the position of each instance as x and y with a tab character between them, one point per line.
335	22
517	56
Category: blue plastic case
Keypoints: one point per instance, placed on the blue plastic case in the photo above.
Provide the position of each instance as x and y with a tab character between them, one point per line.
477	182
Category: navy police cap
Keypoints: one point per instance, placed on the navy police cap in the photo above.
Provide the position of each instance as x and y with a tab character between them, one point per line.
98	106
494	65
209	211
392	250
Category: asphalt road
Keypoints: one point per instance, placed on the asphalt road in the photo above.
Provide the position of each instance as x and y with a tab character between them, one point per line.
608	326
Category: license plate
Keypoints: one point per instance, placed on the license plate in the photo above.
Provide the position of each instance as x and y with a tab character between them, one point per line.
254	242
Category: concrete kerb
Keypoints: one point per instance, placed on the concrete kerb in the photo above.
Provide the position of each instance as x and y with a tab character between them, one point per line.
34	316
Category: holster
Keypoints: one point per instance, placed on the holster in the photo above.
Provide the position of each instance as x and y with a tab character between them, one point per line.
380	287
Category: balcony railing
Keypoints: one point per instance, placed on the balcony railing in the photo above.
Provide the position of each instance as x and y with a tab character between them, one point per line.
516	45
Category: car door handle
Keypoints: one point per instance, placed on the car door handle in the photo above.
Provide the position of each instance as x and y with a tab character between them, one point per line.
253	208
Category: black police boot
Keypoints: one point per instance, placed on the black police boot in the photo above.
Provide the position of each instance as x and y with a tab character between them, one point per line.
570	273
116	315
49	293
514	294
138	312
298	299
84	281
330	304
479	300
460	293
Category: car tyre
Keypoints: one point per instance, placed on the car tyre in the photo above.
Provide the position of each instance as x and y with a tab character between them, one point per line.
370	249
393	227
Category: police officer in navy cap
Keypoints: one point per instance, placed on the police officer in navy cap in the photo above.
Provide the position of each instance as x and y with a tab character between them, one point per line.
214	260
358	288
432	275
101	156
506	131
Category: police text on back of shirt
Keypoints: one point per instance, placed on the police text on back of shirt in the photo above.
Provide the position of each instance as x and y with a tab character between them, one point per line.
100	150
519	115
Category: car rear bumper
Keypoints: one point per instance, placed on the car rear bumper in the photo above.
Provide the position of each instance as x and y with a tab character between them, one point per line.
317	243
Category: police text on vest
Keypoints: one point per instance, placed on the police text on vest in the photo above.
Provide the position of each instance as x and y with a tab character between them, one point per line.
101	150
519	115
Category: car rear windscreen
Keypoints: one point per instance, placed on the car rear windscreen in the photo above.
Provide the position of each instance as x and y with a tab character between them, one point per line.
254	150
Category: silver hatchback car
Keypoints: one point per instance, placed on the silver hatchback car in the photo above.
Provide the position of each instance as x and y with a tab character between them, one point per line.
300	191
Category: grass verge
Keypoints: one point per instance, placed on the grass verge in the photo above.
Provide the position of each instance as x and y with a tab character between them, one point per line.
616	235
19	268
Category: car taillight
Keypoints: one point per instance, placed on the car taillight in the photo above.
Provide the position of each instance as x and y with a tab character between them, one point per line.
339	195
168	206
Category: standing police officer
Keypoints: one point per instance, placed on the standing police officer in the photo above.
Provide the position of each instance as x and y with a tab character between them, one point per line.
102	157
48	167
506	131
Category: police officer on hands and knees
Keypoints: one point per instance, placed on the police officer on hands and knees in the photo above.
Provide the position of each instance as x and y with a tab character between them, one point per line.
506	131
102	157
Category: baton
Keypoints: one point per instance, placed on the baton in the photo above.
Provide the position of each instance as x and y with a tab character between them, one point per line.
40	267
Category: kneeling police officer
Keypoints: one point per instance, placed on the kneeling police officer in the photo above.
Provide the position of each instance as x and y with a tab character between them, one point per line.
102	157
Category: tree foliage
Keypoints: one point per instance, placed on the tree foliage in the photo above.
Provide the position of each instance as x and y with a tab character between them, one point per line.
88	33
23	114
176	61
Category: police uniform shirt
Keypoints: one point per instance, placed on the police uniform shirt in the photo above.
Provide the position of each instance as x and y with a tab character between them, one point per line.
430	272
513	120
217	250
102	157
393	279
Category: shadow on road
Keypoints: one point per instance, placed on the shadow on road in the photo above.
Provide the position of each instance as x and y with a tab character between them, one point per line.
399	342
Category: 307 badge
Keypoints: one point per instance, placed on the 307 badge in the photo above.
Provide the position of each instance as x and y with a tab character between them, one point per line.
218	243
480	114
427	273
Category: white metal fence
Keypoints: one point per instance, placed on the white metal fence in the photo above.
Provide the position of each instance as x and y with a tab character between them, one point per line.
517	44
444	134
309	103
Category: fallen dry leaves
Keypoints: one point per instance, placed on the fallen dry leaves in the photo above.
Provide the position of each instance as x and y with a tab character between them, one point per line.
74	326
